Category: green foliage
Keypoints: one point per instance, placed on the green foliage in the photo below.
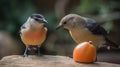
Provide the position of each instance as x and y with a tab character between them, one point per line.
88	6
14	13
108	26
101	8
52	20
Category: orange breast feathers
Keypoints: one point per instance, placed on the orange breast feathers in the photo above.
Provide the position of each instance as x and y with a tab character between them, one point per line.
33	37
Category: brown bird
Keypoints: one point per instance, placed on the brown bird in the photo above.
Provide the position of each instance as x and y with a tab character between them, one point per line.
33	32
85	29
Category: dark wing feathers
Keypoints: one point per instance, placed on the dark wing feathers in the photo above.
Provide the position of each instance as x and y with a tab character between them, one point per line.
95	28
22	27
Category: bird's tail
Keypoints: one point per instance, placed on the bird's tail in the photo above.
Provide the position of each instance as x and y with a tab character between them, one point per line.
111	43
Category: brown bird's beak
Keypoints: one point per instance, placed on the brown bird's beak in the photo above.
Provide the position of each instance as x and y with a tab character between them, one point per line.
58	27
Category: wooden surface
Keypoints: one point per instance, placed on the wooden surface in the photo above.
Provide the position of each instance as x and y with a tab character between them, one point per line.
48	61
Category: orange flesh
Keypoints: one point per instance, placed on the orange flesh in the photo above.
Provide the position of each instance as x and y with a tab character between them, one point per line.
84	52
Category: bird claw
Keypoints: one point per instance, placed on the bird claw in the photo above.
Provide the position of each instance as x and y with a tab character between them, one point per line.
38	52
25	55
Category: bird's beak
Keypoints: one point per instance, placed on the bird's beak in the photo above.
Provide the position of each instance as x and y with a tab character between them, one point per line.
44	21
58	27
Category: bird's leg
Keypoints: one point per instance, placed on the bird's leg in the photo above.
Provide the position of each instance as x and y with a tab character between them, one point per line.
38	51
25	52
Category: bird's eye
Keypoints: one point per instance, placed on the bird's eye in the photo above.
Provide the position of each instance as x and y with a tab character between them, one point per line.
36	19
64	22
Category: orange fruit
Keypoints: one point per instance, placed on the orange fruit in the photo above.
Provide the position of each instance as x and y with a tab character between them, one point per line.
84	52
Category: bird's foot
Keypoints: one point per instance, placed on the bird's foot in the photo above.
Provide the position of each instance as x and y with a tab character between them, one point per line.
26	52
38	52
25	55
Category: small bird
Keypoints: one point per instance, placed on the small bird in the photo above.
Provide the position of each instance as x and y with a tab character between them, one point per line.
84	29
33	32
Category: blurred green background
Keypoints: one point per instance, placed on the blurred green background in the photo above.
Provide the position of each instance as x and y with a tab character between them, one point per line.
14	13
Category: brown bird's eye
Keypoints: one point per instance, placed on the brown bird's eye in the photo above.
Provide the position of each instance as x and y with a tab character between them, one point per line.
64	22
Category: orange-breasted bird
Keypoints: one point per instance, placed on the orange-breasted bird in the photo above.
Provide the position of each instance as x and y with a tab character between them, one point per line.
33	32
85	29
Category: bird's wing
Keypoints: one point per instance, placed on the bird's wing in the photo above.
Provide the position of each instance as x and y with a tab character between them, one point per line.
22	27
95	28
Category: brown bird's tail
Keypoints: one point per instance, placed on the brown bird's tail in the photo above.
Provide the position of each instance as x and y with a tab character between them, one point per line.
111	43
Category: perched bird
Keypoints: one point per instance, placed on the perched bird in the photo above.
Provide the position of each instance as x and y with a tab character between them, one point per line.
33	32
85	29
